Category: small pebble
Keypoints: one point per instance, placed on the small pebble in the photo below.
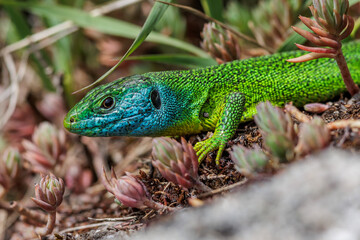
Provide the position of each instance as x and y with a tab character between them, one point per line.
316	107
195	202
342	107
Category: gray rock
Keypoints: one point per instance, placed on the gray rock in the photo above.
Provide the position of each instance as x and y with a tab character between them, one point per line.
318	198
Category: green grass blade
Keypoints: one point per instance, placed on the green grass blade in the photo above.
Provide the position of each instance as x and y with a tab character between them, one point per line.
352	2
177	59
111	26
356	28
213	8
63	56
173	22
18	20
155	15
103	24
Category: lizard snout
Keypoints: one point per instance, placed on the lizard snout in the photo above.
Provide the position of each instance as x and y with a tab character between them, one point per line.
70	119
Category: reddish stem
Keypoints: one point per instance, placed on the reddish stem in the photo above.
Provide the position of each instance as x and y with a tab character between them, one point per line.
201	186
345	73
49	226
157	206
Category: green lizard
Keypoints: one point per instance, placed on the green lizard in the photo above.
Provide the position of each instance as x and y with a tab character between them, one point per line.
216	98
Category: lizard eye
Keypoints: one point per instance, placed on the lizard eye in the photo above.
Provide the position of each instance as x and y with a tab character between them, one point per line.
108	103
155	99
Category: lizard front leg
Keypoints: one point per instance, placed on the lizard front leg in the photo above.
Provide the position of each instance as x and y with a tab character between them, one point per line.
230	116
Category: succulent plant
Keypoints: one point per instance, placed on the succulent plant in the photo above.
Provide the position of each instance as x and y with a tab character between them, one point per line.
330	26
46	149
176	162
278	131
130	191
49	192
220	43
313	136
271	20
9	166
48	196
248	162
280	137
331	16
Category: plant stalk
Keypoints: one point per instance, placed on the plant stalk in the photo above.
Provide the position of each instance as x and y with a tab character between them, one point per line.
49	226
157	206
201	186
345	73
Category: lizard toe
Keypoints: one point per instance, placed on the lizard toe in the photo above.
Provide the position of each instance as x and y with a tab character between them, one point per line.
207	146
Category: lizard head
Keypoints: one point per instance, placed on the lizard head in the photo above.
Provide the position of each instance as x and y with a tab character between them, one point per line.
131	106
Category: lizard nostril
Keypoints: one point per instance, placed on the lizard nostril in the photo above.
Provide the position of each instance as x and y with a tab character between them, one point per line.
72	119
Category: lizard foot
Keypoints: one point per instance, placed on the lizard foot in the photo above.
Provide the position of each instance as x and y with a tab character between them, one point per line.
211	144
230	117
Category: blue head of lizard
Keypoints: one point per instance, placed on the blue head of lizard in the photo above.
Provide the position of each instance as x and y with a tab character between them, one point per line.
132	106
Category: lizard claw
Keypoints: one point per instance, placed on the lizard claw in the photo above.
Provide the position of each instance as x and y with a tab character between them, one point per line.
211	144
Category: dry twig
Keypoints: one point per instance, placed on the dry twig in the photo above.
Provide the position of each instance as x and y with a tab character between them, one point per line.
223	189
296	113
346	123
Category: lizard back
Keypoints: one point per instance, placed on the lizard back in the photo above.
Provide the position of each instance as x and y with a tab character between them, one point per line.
266	78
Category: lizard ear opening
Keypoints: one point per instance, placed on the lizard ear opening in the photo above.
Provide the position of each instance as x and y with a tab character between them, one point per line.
155	99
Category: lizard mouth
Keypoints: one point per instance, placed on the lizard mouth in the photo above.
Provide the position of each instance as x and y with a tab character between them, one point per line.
73	125
94	127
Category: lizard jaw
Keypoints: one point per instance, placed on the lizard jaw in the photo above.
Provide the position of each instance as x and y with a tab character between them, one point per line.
98	127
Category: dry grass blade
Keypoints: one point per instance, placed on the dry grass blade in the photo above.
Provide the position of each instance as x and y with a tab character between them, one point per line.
155	15
39	41
15	78
64	26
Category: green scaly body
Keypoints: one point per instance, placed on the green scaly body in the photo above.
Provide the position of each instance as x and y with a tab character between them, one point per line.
215	98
